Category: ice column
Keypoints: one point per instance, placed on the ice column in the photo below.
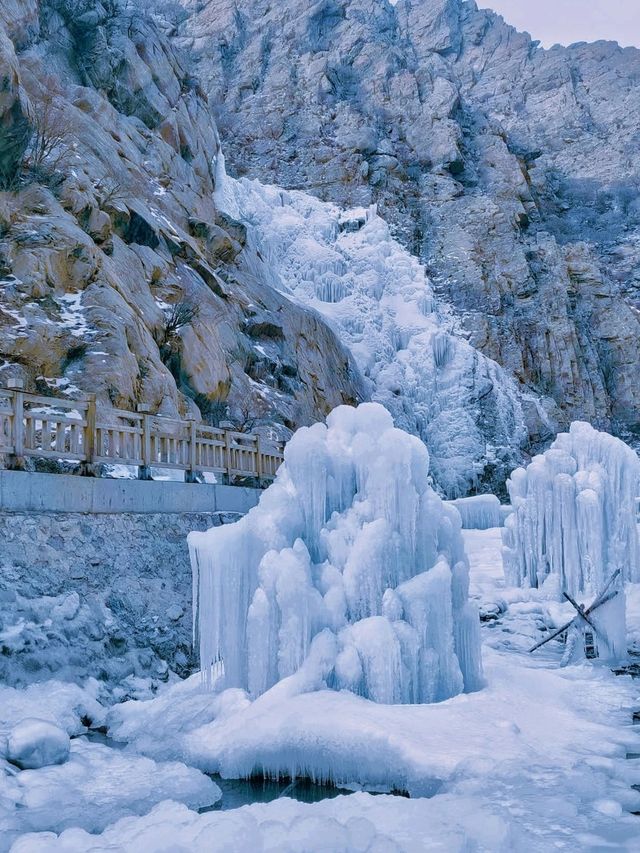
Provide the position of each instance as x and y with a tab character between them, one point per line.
574	514
350	540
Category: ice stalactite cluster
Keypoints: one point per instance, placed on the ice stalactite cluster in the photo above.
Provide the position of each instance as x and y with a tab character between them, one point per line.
415	359
350	563
574	514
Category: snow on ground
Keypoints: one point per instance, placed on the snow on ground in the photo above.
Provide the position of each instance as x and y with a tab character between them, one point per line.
96	786
534	762
376	295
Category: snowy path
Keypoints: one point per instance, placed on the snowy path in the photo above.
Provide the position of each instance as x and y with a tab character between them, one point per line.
534	762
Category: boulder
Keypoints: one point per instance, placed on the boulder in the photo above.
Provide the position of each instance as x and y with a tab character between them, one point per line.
34	743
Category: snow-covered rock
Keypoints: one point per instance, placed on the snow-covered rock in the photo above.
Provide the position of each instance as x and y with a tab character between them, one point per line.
34	743
95	787
350	572
66	706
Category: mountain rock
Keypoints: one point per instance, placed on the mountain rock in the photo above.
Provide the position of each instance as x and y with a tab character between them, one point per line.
109	234
511	170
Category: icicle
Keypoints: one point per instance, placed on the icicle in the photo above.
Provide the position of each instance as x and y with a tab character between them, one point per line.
442	349
352	542
574	514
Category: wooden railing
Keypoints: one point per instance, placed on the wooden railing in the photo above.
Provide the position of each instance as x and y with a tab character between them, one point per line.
36	426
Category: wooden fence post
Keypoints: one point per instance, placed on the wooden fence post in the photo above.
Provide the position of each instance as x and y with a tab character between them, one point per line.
191	473
17	461
258	459
144	470
88	468
228	454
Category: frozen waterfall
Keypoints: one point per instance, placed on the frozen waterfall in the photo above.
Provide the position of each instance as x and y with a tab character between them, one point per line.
377	297
350	563
574	514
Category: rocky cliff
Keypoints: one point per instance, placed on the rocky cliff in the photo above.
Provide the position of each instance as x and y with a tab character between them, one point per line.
118	275
511	170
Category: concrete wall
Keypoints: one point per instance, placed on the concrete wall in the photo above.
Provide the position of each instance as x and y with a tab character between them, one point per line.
32	492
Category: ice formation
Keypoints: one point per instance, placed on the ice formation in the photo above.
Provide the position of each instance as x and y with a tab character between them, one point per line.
378	298
574	514
37	743
481	512
351	565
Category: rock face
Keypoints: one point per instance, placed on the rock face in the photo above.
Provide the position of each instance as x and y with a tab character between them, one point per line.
117	273
15	130
510	169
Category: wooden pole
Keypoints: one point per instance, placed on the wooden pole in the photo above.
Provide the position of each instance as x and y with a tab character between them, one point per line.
258	459
144	470
228	454
88	468
17	460
597	603
191	473
580	609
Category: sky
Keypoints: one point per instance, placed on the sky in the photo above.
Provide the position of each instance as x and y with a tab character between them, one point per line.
567	21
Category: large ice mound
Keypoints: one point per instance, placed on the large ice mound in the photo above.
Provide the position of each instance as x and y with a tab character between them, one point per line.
574	514
350	563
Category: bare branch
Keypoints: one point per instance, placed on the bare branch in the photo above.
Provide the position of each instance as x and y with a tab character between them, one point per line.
52	140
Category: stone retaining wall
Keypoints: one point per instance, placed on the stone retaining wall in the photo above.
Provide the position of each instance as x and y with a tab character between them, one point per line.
97	594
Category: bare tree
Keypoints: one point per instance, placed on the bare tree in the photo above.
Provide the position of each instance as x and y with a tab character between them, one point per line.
52	139
108	192
176	317
179	315
249	414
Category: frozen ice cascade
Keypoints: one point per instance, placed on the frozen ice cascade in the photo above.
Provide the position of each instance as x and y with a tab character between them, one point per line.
350	564
574	514
346	265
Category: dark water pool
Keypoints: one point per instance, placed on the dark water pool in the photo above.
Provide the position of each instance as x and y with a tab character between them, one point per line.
243	792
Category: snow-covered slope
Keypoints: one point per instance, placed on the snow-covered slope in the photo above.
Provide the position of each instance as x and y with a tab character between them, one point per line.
532	763
408	343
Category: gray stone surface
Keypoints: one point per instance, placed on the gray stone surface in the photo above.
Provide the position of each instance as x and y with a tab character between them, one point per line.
102	595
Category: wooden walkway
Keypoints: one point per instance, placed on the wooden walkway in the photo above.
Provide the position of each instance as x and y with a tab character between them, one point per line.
42	427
